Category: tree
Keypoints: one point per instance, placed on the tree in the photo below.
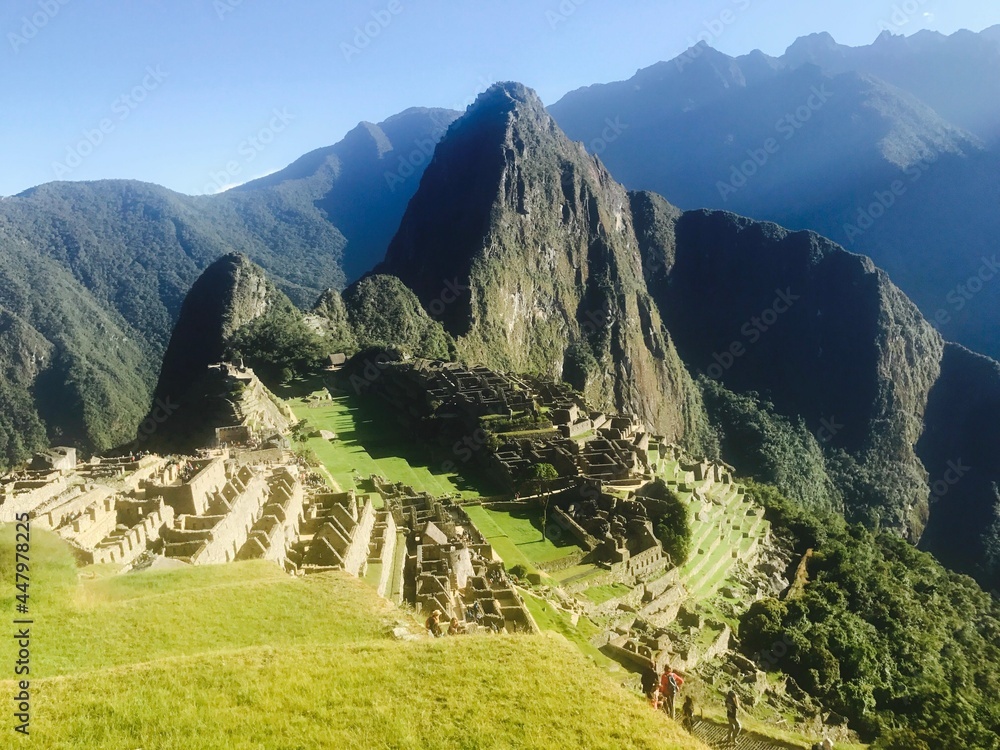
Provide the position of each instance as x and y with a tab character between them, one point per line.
671	523
538	477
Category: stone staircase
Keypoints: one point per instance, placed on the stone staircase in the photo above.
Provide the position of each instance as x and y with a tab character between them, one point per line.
714	735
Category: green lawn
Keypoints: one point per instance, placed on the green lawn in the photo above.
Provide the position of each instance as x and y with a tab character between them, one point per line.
605	593
371	442
242	656
550	619
523	531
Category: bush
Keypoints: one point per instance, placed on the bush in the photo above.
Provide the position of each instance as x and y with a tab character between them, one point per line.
670	521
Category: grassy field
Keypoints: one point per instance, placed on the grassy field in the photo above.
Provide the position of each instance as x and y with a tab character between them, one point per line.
241	656
519	536
370	442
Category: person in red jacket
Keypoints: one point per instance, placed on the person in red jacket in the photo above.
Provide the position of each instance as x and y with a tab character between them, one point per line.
670	685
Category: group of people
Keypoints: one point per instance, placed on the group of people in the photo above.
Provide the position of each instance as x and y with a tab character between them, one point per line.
433	625
663	690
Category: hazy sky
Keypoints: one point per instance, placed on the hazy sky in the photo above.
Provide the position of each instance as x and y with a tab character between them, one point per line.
178	91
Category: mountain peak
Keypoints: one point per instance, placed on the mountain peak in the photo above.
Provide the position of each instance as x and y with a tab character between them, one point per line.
506	96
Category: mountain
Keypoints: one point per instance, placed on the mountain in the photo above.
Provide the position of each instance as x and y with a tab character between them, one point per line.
363	183
534	259
956	74
524	248
232	312
827	147
93	274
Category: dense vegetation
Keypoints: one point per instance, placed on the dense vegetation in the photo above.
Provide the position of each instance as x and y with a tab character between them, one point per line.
770	447
279	345
383	312
882	634
671	523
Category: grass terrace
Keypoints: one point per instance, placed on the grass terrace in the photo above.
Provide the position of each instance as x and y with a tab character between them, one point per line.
241	656
370	441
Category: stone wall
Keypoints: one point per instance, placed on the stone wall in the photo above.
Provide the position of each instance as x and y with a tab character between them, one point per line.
25	495
193	496
231	532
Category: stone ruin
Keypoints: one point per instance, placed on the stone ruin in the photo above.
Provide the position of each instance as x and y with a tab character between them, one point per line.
450	566
616	531
619	455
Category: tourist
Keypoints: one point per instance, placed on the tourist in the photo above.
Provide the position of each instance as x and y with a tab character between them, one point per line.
433	623
732	711
655	697
455	627
687	714
826	744
670	685
650	677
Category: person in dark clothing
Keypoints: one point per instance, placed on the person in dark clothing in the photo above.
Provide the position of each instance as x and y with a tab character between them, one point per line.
687	714
732	714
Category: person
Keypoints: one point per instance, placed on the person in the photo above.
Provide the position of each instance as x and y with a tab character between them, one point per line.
433	623
670	685
826	744
732	711
687	714
650	677
454	627
655	697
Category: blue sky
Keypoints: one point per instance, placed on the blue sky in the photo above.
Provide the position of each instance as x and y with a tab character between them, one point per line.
178	92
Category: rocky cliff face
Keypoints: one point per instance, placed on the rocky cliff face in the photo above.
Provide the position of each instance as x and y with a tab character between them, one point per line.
229	295
822	332
961	449
524	247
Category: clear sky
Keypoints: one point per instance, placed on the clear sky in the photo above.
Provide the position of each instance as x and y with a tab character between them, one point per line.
178	91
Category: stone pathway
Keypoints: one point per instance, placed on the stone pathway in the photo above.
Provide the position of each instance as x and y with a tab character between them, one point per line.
714	735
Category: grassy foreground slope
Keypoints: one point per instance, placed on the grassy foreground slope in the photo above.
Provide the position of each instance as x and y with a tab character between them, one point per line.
242	656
